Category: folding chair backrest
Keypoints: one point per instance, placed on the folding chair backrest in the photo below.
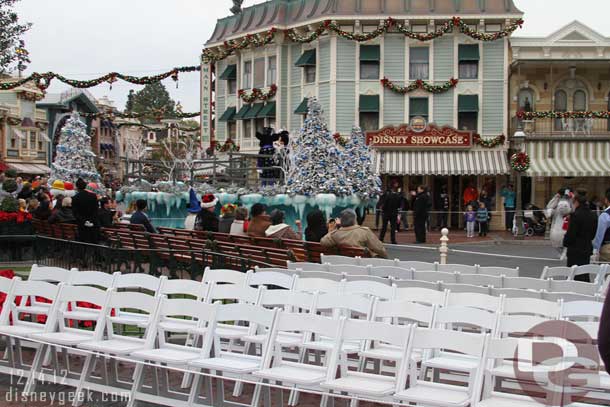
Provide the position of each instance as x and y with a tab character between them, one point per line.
457	268
459	316
137	281
532	306
317	284
517	325
304	266
466	288
49	274
593	270
233	292
373	279
311	323
499	271
271	278
428	285
275	269
349	305
465	343
434	276
401	310
291	301
547	296
378	262
398	273
69	295
356	330
570	286
480	280
333	260
6	284
525	283
516	293
35	289
417	265
579	310
557	273
222	276
475	300
132	303
25	290
422	295
180	310
181	287
348	269
369	288
321	274
92	278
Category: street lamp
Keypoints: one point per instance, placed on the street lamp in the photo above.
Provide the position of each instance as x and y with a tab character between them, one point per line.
518	142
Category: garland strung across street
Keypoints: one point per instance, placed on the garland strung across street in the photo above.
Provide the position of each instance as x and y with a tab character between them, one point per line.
255	94
266	37
143	126
520	162
563	115
419	84
43	80
158	114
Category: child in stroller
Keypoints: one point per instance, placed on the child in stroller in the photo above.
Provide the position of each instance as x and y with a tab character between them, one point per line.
534	221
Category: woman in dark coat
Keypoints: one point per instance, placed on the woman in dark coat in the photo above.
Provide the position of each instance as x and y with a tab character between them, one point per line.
580	234
316	226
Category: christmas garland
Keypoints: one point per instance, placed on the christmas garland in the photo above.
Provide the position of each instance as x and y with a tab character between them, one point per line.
158	114
230	46
419	84
43	80
256	94
143	126
520	162
489	143
563	115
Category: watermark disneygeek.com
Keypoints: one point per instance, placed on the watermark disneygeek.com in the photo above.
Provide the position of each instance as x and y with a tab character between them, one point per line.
61	398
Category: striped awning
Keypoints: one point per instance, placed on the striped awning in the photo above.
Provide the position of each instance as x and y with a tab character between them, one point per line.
569	158
478	162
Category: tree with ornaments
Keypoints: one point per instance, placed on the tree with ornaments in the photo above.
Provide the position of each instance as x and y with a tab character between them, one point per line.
318	166
360	174
74	158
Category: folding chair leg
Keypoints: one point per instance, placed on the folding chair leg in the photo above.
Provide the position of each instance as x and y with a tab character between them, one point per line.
36	365
137	384
88	367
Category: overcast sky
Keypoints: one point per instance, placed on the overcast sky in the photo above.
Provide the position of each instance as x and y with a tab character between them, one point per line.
82	39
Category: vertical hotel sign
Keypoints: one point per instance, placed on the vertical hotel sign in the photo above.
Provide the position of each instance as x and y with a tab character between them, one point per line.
206	96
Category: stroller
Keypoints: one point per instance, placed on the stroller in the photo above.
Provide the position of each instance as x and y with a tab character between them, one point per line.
534	221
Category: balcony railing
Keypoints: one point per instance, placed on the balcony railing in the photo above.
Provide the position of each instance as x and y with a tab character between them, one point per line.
569	127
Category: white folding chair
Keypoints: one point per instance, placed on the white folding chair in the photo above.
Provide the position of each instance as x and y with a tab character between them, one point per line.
499	271
457	268
275	269
593	271
525	283
398	273
49	274
317	284
422	295
475	300
372	279
581	310
435	276
222	276
92	278
532	306
440	394
63	330
378	262
348	269
335	260
466	288
160	352
557	273
516	293
482	280
570	286
417	265
136	282
417	284
570	297
370	288
271	278
371	386
305	266
239	365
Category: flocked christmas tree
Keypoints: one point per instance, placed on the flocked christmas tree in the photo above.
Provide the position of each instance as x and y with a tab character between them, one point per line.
74	158
360	173
318	166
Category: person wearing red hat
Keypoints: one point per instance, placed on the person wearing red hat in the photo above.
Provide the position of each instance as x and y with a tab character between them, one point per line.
207	219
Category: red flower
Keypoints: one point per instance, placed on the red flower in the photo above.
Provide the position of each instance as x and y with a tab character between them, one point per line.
453	81
419	83
327	23
456	21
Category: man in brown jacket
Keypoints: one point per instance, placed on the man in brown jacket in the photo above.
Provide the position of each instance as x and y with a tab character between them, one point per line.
352	235
260	221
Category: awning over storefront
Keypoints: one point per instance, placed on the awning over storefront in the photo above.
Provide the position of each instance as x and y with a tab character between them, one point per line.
303	106
33	169
267	112
307	59
242	112
230	73
254	111
228	115
479	162
569	158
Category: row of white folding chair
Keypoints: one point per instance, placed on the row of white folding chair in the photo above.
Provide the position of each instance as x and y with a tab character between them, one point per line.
597	272
379	262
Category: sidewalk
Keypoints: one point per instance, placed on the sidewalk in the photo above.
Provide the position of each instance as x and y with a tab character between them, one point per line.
459	236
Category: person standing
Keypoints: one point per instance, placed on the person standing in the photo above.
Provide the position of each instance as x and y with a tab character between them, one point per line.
482	219
84	207
140	218
509	206
601	243
379	208
442	206
470	194
559	208
470	217
420	213
580	234
207	219
390	209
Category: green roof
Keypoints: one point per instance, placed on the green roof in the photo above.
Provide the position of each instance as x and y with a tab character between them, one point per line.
302	108
242	112
307	59
228	115
229	73
254	111
369	103
468	103
267	112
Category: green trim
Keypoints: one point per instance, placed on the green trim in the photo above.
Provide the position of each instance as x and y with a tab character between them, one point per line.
371	53
228	115
468	103
369	103
242	112
468	52
303	107
267	112
418	107
230	73
307	59
254	111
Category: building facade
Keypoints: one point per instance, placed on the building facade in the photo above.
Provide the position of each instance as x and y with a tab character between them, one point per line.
564	74
361	82
23	140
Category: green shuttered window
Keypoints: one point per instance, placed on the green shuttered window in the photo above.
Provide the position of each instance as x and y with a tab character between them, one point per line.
228	115
369	103
307	59
468	103
229	73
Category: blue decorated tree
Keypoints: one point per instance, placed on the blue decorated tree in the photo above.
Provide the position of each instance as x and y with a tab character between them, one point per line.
360	173
318	166
74	158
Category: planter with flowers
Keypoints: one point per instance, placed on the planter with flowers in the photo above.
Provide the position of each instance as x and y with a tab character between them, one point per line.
12	220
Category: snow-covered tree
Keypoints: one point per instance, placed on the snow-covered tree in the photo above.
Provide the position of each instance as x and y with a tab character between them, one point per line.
317	166
74	158
360	173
